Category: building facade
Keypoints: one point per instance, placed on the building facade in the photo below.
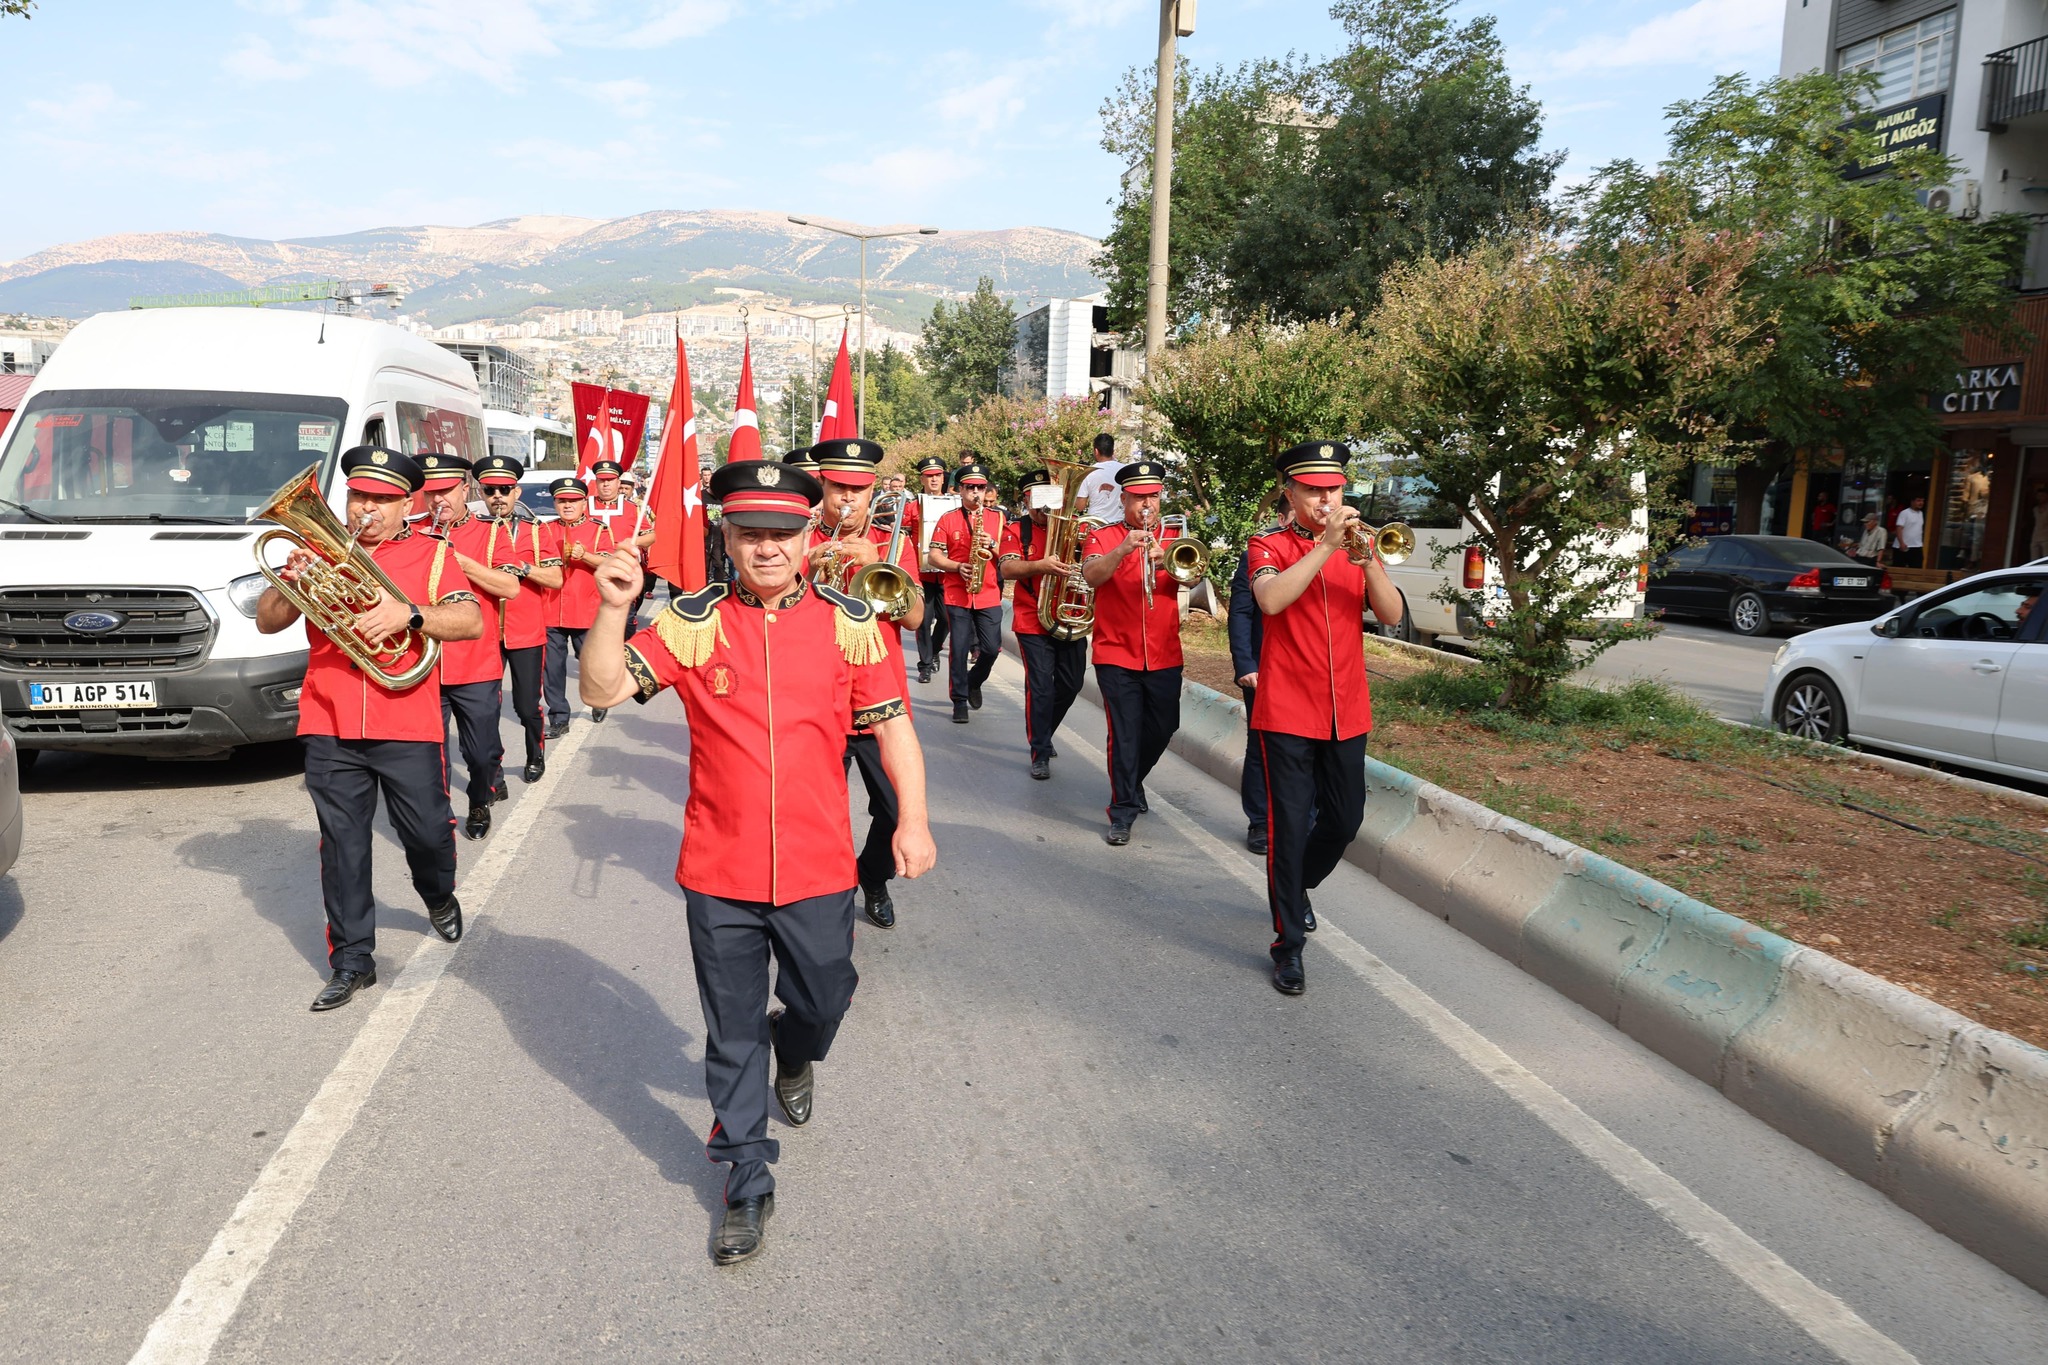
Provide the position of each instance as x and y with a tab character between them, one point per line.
1065	350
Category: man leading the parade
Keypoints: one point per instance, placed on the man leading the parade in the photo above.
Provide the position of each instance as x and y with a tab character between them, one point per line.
1312	712
514	545
363	738
767	861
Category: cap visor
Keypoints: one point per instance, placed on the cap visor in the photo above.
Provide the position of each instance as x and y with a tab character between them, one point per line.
1148	486
848	477
498	481
770	521
370	483
1320	480
441	484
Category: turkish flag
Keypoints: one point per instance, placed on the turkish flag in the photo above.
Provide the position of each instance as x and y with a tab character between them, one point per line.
839	421
746	421
676	498
609	423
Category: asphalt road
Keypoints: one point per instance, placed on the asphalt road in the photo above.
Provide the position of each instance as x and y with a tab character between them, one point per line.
1712	664
1067	1118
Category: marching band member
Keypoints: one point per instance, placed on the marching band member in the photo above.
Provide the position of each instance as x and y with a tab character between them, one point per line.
620	513
472	671
1137	642
1053	668
931	631
801	458
514	545
767	859
362	738
846	470
1312	712
579	543
973	529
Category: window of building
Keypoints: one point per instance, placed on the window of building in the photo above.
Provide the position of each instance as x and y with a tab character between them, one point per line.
1910	61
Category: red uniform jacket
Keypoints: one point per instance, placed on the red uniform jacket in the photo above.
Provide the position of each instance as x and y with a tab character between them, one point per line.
770	692
1025	539
573	606
892	633
953	537
1126	635
339	699
1312	656
478	660
522	621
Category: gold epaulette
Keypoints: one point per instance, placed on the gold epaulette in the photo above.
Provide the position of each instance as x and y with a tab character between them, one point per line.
854	627
690	626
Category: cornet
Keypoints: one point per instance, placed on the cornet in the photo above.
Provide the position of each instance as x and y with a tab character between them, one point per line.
1393	542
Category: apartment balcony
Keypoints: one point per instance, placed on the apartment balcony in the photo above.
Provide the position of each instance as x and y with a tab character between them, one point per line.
2015	85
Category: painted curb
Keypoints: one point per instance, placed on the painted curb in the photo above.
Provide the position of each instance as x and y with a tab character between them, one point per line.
1946	1117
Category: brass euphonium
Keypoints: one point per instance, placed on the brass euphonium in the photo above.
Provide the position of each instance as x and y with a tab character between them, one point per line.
342	583
1066	607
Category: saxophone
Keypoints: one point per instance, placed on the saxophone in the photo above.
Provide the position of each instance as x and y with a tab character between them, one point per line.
980	555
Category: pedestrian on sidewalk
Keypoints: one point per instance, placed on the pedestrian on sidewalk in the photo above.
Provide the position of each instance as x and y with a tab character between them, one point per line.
767	865
1910	533
1870	549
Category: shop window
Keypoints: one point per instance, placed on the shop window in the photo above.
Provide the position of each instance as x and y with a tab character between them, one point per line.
1965	503
1909	61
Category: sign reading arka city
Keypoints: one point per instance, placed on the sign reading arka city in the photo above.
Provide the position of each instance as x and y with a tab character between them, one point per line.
1900	128
1983	388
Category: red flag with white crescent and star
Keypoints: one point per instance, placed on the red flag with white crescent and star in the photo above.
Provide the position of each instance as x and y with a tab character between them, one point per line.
675	499
746	422
839	421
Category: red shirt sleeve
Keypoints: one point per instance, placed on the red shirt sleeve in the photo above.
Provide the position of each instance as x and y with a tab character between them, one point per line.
652	666
1262	556
1013	542
1099	543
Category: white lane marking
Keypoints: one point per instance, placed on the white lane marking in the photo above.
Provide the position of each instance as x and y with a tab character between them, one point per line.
1821	1315
186	1331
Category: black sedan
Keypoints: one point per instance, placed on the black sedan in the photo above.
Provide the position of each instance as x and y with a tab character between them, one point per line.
1759	583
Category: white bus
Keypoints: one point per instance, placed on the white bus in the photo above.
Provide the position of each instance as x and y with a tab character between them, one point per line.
128	582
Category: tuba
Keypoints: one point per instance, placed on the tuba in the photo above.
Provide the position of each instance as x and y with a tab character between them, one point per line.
342	582
1069	612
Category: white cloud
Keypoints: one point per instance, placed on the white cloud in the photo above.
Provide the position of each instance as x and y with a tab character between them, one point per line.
1091	13
255	61
908	171
84	107
984	106
415	42
682	19
629	97
1706	32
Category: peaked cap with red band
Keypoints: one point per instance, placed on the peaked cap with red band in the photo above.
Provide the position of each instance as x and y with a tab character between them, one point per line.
496	471
569	488
848	460
1318	464
971	476
801	458
767	493
1142	476
373	469
443	471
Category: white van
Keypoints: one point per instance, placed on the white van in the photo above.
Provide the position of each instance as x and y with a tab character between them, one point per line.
128	580
1397	491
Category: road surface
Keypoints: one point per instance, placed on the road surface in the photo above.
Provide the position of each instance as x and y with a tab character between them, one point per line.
1067	1119
1721	670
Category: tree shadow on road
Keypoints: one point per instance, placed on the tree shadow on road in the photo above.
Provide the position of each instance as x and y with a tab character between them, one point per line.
607	1039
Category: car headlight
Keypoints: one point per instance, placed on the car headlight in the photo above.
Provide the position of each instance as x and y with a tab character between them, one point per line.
246	591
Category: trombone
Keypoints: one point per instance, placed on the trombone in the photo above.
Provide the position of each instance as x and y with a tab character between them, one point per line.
1187	559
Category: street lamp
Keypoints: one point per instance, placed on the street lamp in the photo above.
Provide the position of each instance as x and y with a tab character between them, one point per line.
1176	20
860	402
814	319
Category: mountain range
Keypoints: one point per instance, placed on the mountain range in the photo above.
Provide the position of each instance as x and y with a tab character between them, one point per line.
650	261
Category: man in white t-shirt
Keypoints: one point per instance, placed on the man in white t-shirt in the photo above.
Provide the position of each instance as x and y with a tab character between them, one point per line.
1910	531
1100	495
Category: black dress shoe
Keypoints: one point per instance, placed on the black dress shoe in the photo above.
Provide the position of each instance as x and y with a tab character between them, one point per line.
342	987
1287	977
1052	751
924	673
959	713
743	1230
793	1092
501	792
974	695
597	714
1308	916
1255	839
478	824
1041	768
534	770
557	729
1116	836
880	910
447	920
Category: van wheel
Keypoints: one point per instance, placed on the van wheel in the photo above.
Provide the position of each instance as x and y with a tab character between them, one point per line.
1404	630
1748	614
1811	708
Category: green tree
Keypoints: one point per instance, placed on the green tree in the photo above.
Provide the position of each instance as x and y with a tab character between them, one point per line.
776	423
1220	406
901	400
965	346
1548	393
1865	292
21	7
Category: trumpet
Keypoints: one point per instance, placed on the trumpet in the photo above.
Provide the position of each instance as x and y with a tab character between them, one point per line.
341	583
1392	542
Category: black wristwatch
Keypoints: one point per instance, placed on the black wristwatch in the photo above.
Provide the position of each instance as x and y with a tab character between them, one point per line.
418	622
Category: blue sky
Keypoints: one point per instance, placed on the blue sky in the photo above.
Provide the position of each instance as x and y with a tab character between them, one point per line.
287	118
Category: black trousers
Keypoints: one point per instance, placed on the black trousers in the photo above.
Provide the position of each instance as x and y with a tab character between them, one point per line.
343	776
562	641
877	861
812	941
931	632
1142	706
1315	798
1053	673
1251	785
978	631
474	707
526	668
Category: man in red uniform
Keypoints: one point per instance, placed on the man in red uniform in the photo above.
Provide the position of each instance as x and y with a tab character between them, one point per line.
362	737
610	504
1137	642
472	671
773	672
514	545
931	633
847	536
975	625
579	542
1312	712
1053	668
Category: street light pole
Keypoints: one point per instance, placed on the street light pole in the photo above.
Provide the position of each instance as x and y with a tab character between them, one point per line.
1176	18
860	401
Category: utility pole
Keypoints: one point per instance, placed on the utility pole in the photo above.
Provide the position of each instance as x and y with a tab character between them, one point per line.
1176	19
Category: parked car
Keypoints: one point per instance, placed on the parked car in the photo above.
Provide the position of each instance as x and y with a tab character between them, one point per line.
1960	674
534	495
1758	584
